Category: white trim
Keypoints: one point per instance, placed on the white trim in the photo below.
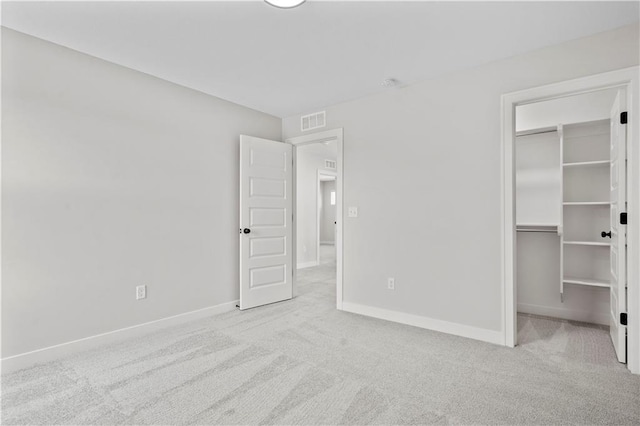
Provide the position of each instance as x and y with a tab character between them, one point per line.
490	336
51	353
321	172
307	264
627	78
508	224
329	135
567	314
327	243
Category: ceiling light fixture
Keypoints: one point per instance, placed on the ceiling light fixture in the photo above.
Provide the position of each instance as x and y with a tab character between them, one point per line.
285	4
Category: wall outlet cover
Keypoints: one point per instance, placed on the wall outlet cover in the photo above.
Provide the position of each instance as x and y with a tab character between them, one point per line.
141	292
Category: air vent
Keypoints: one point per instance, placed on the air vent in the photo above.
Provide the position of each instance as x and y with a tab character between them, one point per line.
312	121
330	164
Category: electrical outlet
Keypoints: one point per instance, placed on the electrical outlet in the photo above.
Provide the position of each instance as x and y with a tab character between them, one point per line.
353	212
391	283
141	292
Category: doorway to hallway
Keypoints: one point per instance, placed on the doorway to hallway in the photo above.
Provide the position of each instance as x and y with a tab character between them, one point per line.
318	215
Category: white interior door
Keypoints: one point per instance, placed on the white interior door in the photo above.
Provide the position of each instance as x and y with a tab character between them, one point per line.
266	206
618	231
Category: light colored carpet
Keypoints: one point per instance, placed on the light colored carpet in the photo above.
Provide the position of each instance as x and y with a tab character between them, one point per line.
303	362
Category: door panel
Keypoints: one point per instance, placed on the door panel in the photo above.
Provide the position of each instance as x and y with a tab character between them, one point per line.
266	207
276	188
269	246
267	218
618	232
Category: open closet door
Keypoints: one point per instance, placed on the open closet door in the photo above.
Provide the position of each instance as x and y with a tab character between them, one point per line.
618	231
266	221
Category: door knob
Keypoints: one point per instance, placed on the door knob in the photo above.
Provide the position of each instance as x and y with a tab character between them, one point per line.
246	230
605	234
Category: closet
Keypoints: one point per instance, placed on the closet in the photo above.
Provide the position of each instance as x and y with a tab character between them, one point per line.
563	208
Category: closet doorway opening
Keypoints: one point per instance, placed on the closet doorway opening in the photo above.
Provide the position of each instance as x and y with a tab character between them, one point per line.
563	235
318	213
570	160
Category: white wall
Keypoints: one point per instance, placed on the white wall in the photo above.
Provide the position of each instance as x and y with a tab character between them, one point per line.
309	159
572	109
112	178
327	213
422	164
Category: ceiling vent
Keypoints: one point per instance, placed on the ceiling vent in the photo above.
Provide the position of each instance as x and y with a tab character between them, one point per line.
330	164
313	121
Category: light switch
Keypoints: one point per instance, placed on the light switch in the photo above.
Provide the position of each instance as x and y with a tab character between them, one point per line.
353	212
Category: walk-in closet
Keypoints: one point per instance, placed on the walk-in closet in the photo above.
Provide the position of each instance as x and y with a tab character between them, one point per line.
567	184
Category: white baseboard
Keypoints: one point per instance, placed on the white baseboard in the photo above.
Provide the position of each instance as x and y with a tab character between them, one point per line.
306	264
51	353
491	336
568	314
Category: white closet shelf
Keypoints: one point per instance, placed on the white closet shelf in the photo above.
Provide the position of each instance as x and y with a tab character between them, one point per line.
586	203
585	281
588	243
587	163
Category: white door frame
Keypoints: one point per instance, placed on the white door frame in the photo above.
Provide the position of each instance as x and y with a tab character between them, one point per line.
628	79
326	136
319	173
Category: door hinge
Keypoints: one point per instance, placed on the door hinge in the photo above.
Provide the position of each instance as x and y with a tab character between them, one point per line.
623	117
623	318
623	218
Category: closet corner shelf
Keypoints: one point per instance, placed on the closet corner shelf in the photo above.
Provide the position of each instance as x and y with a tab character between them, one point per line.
586	203
588	243
586	163
585	281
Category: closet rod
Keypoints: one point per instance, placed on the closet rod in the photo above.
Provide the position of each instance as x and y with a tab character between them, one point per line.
551	231
535	132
